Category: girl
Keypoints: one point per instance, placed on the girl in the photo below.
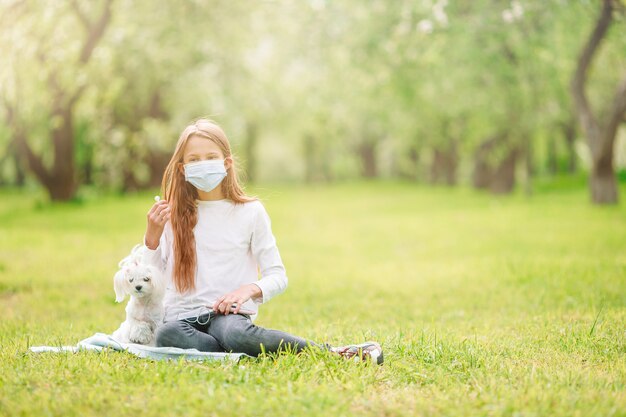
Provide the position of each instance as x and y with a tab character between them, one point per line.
209	237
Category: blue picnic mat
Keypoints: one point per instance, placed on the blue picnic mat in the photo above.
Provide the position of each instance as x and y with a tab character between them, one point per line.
101	341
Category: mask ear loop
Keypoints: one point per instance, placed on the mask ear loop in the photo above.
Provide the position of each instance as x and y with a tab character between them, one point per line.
207	320
195	320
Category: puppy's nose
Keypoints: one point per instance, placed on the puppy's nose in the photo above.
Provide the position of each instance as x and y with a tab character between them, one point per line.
138	287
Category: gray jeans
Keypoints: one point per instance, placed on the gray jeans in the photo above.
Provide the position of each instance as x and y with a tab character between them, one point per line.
231	333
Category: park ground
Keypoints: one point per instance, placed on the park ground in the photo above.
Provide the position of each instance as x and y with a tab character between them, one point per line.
485	305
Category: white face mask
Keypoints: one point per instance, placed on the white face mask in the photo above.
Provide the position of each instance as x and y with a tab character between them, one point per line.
205	175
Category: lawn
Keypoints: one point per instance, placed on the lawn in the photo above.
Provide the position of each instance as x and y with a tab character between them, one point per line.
494	306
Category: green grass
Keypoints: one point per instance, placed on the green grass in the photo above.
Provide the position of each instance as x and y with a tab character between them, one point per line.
484	305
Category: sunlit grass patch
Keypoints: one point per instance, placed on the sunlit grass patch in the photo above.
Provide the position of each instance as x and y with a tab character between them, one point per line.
483	305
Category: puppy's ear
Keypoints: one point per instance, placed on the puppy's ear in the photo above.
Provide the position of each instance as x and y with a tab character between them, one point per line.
158	279
119	285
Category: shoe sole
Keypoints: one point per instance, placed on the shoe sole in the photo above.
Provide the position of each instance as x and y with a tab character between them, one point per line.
380	358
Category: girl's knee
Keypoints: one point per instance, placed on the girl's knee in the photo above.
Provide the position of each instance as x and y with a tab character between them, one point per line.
168	334
234	331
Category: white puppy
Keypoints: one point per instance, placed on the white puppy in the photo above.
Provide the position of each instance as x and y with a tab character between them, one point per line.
144	283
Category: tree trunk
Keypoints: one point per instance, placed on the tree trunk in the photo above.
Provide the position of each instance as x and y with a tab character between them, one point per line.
20	176
410	170
367	153
60	179
61	190
503	177
444	165
3	181
553	165
64	181
481	177
414	158
326	166
12	154
529	166
498	177
569	133
157	162
600	132
88	173
602	181
309	158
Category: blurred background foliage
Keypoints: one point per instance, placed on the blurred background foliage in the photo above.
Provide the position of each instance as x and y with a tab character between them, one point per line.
487	93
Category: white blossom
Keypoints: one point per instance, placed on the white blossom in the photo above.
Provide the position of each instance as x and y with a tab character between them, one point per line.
517	9
439	13
507	16
425	26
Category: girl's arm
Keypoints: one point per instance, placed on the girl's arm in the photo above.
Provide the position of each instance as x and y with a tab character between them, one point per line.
158	256
263	244
273	277
158	215
154	238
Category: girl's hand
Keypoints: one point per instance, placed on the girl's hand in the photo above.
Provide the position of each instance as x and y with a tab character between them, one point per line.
239	296
158	215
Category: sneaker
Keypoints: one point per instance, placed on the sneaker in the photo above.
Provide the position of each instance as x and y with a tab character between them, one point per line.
362	352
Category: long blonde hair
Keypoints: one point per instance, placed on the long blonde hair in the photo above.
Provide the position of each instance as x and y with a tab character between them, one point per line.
182	196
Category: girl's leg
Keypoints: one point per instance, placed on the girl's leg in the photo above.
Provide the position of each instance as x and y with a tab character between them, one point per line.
183	335
236	333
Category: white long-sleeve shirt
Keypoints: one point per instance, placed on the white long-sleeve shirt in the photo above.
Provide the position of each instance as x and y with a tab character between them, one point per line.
231	241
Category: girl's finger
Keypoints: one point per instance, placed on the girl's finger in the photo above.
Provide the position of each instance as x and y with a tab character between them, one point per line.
160	218
230	306
161	209
226	307
156	205
163	213
240	303
222	307
216	305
